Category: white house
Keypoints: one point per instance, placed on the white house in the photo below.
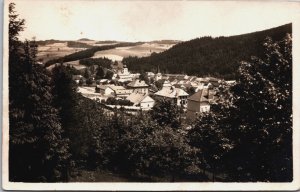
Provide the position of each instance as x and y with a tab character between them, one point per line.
199	102
177	95
142	100
104	90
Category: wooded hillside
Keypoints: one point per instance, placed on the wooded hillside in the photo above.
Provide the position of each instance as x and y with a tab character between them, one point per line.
208	56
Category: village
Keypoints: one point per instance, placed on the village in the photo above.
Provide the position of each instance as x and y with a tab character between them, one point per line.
133	92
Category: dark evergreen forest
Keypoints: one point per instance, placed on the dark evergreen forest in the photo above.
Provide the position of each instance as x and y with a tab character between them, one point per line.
205	56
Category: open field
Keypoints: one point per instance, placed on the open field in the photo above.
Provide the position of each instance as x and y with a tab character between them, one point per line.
55	50
142	50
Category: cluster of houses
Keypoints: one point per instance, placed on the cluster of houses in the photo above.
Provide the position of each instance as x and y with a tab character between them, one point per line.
174	87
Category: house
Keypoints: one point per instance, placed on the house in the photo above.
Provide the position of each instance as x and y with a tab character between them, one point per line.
176	95
120	91
104	90
142	100
199	103
138	86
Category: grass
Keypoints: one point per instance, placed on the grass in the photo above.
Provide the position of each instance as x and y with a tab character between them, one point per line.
142	50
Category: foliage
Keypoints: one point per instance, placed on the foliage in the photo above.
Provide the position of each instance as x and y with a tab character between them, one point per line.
87	73
209	135
158	151
109	74
113	101
208	56
255	115
263	97
38	151
190	90
166	113
100	74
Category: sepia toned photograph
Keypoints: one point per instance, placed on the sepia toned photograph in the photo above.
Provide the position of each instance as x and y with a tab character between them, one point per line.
150	95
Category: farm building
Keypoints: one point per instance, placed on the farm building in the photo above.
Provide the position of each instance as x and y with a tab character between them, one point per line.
104	90
142	100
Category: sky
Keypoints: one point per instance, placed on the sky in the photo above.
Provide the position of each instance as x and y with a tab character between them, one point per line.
149	20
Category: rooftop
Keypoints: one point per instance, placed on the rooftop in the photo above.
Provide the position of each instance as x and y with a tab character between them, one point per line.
203	95
136	97
171	92
137	83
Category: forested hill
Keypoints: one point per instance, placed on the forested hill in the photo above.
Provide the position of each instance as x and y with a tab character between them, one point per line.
208	56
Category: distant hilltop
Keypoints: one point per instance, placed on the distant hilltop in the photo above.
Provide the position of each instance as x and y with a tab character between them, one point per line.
85	39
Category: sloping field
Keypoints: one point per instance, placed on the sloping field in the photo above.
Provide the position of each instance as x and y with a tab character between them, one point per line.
143	50
55	50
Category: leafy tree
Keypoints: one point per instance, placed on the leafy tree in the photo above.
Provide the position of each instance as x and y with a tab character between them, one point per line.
100	73
191	90
109	74
38	152
159	84
209	135
150	150
87	73
144	77
263	97
166	112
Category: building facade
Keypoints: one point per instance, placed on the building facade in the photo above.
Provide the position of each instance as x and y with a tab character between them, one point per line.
138	86
199	102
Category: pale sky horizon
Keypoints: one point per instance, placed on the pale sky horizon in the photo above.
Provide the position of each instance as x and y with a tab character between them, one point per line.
149	20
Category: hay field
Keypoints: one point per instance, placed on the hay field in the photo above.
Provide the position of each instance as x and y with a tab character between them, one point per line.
142	50
54	51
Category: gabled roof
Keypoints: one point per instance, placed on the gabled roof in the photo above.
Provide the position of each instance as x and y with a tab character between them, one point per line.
171	92
115	88
203	95
102	87
137	98
137	83
166	83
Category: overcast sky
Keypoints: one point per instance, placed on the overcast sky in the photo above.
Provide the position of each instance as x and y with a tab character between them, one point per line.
149	20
